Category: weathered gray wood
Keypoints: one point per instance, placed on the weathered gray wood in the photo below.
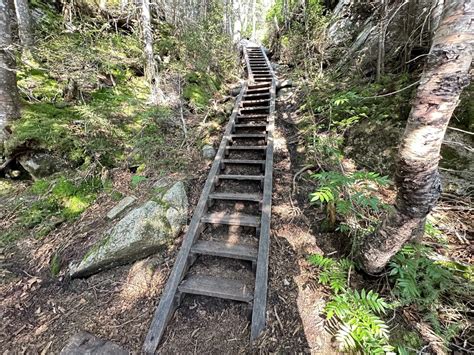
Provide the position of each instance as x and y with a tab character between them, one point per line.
252	96
249	110
261	115
241	177
243	161
246	147
247	63
261	279
248	136
227	250
235	196
217	287
167	303
233	219
258	86
250	125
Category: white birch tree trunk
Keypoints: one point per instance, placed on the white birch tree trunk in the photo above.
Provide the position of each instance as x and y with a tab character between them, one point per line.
151	67
24	24
445	75
9	102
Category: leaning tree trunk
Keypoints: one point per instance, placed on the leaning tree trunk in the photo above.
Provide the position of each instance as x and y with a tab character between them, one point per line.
9	105
151	67
24	25
446	74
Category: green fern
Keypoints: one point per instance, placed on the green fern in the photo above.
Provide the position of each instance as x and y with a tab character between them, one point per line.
359	326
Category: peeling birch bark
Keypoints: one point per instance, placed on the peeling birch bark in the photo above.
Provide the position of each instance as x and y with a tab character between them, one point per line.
445	75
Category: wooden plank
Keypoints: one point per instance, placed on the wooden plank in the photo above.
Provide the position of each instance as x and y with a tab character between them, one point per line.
248	136
245	110
225	250
262	94
257	86
252	116
250	125
232	219
241	177
235	196
243	161
167	303
247	147
217	287
261	278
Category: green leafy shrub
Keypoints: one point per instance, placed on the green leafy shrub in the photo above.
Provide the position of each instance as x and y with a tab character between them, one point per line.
349	196
358	324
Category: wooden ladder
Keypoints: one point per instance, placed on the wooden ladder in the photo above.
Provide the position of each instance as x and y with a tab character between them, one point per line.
254	112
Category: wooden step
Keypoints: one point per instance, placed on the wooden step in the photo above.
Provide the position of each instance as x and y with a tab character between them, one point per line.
243	161
243	111
249	136
234	219
260	94
247	103
252	117
258	86
225	250
250	125
216	287
246	147
232	196
241	177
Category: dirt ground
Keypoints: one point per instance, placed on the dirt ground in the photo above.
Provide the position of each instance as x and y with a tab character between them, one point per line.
40	312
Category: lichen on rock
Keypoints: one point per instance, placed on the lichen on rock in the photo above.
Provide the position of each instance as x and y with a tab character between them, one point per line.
141	232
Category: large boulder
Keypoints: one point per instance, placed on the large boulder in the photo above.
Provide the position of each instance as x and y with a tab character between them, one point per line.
143	231
40	165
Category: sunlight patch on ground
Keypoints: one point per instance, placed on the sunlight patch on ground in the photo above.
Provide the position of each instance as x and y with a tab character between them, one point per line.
142	279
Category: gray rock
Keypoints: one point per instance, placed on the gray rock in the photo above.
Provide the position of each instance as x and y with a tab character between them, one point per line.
121	206
235	91
40	165
84	343
141	232
284	84
208	152
163	182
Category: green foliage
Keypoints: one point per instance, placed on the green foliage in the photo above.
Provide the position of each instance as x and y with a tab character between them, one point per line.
359	325
137	180
58	200
419	280
349	195
199	88
432	288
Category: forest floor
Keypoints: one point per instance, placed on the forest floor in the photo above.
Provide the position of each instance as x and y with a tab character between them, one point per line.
40	312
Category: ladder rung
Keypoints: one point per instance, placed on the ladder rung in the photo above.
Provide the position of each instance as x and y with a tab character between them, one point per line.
234	219
241	177
248	135
249	125
243	161
226	250
247	147
216	287
231	196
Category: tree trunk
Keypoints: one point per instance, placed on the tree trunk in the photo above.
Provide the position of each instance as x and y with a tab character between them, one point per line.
24	24
445	75
9	102
151	67
237	28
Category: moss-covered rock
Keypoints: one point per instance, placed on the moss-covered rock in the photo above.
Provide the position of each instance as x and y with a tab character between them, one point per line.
140	233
